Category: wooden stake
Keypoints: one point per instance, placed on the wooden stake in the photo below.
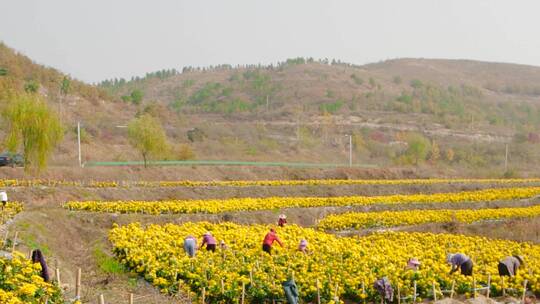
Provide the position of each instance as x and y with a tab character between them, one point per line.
130	298
524	291
414	295
78	284
474	287
251	277
363	287
364	291
14	242
398	295
434	291
203	295
222	287
243	292
5	239
318	292
489	286
502	286
274	288
101	299
58	276
452	290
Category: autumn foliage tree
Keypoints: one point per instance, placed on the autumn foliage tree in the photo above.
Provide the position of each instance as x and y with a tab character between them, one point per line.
32	128
146	134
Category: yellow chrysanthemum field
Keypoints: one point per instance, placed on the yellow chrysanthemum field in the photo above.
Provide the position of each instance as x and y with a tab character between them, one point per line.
247	204
21	283
346	267
254	183
360	220
10	210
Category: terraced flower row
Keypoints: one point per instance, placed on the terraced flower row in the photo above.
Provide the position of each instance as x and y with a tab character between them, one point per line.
240	204
333	182
342	265
249	183
21	283
9	211
359	220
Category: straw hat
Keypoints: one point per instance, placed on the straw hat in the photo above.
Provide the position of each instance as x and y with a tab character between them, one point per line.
520	258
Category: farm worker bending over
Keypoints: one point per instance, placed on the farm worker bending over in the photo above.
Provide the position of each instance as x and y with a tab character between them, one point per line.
223	246
37	257
282	220
459	260
412	264
303	246
384	289
190	245
210	242
509	265
3	198
269	241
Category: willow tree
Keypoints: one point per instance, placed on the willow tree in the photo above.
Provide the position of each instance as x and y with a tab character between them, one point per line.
32	128
148	137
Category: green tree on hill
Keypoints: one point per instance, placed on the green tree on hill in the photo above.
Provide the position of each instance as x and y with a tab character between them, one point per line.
146	134
65	86
33	128
418	148
31	86
136	96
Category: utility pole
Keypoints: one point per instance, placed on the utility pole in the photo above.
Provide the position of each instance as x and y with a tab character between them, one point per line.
350	149
506	159
79	141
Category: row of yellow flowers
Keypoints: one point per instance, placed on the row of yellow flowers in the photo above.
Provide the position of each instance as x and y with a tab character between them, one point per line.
21	283
334	182
240	204
249	183
359	220
9	211
341	265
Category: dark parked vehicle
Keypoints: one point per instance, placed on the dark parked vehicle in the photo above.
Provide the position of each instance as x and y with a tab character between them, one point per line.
11	159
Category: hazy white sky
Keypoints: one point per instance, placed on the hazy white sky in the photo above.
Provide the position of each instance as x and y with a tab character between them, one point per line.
98	39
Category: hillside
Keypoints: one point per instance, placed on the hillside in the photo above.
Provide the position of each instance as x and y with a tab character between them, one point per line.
302	110
93	106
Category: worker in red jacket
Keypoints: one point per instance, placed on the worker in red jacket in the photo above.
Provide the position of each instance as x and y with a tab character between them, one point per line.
269	241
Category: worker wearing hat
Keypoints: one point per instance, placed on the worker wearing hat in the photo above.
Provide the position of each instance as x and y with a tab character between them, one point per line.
460	261
509	265
210	242
412	264
282	220
3	198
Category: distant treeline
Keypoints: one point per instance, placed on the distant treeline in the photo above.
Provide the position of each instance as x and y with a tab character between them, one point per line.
116	83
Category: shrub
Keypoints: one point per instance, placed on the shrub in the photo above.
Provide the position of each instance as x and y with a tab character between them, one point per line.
416	83
185	152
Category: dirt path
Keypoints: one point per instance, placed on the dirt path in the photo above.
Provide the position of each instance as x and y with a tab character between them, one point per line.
71	241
